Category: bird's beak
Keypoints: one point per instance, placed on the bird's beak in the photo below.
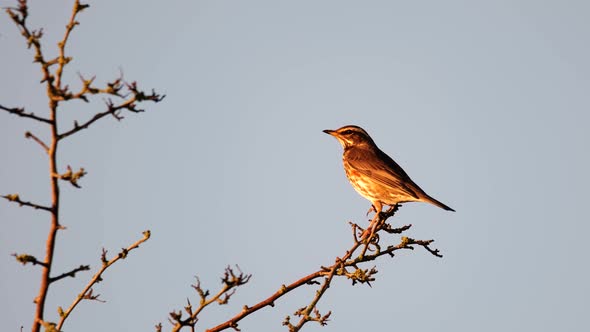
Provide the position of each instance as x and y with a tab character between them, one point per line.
330	132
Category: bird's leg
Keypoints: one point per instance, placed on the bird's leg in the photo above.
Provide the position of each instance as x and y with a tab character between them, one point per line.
371	209
377	207
369	236
373	225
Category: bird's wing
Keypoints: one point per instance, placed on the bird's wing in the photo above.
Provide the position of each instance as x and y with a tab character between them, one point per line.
383	170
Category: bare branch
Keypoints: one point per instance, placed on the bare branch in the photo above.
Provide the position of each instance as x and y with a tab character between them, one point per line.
21	112
369	241
230	281
28	134
16	199
426	245
88	89
57	92
90	296
87	291
130	104
71	273
305	313
24	259
247	310
62	60
19	16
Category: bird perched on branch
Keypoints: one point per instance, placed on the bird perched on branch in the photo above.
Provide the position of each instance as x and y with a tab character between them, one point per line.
374	175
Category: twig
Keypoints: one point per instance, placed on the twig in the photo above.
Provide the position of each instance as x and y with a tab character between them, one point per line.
21	112
71	176
62	60
24	259
71	273
16	199
86	292
112	109
305	314
113	88
28	134
426	245
19	16
247	310
230	281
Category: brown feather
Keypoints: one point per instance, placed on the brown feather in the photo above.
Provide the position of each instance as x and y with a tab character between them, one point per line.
382	170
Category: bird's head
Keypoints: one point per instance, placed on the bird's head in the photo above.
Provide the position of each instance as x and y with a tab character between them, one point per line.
351	136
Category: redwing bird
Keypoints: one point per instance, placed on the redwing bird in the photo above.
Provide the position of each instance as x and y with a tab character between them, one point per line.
373	174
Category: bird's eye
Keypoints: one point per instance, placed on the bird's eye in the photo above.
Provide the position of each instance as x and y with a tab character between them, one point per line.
347	132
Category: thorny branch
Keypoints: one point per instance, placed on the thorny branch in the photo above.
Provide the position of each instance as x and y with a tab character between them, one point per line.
87	293
346	266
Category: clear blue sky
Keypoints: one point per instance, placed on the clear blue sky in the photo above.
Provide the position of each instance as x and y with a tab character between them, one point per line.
484	103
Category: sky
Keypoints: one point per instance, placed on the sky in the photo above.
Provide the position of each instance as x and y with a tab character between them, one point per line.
483	103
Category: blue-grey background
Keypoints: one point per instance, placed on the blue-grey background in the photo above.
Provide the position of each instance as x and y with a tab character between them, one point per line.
485	104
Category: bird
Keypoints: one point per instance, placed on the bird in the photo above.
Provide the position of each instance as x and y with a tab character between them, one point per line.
374	175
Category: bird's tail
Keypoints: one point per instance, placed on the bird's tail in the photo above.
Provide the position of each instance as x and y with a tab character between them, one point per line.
437	203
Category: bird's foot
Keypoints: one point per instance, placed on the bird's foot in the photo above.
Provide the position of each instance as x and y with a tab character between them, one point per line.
371	209
368	234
